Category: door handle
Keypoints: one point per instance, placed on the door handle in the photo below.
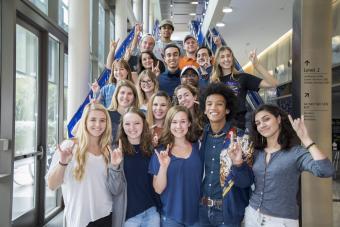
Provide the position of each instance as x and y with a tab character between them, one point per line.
40	154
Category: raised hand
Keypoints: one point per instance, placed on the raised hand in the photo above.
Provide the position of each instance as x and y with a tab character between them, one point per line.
299	127
155	69
138	29
235	151
163	157
127	54
116	154
113	45
253	57
95	87
65	154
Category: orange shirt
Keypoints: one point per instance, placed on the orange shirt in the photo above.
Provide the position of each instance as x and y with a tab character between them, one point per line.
184	61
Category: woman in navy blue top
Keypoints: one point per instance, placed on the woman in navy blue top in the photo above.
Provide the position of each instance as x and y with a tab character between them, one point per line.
135	146
177	170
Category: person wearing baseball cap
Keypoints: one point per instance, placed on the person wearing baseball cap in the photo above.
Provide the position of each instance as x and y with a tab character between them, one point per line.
166	28
189	75
190	46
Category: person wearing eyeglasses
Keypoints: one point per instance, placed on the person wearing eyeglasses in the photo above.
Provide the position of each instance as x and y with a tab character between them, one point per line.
147	85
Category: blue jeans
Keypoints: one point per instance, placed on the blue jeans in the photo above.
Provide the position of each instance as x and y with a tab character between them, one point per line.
149	217
168	222
213	217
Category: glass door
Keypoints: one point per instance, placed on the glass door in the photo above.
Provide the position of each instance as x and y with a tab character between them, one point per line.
28	151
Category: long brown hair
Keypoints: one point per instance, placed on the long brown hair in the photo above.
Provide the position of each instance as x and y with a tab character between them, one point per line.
150	118
197	115
145	140
217	72
167	137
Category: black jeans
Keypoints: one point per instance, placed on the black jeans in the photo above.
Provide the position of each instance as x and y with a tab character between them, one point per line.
102	222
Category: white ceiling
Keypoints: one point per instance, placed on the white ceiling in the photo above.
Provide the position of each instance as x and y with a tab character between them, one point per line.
252	24
255	24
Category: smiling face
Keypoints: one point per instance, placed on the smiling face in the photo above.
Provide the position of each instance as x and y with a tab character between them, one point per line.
190	45
120	73
147	60
160	107
133	127
146	84
179	125
96	123
203	58
147	44
190	77
267	124
216	108
125	97
171	58
185	98
166	31
225	59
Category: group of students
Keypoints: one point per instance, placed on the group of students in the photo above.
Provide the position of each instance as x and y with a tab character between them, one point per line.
164	145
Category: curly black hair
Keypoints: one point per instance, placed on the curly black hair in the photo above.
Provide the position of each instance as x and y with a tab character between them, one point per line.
218	88
287	137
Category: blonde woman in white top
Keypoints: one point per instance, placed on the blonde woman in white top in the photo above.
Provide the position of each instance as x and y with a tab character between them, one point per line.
79	166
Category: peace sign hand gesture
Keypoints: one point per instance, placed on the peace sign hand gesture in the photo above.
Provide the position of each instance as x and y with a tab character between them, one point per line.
253	58
300	128
235	151
155	69
163	157
116	154
113	45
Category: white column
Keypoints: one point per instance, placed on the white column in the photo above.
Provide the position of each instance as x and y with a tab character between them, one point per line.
78	54
137	9
146	15
151	17
120	20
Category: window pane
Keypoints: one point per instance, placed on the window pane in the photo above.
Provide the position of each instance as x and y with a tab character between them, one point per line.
26	91
23	186
101	35
41	4
63	14
65	94
52	116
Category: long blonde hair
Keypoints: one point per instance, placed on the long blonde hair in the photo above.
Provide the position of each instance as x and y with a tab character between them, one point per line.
82	140
217	72
141	94
124	83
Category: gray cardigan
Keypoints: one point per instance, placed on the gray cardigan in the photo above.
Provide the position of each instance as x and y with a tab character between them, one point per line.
277	183
116	184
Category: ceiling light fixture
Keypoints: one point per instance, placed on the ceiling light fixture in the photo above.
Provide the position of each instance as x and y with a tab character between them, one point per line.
220	24
192	14
227	10
194	3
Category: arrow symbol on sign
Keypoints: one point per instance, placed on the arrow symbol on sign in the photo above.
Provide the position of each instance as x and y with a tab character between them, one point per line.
307	62
306	94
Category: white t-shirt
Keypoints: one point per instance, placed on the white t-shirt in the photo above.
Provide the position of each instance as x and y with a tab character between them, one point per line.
89	199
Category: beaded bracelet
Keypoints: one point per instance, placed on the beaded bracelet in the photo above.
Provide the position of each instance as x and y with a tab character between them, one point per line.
310	145
63	164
